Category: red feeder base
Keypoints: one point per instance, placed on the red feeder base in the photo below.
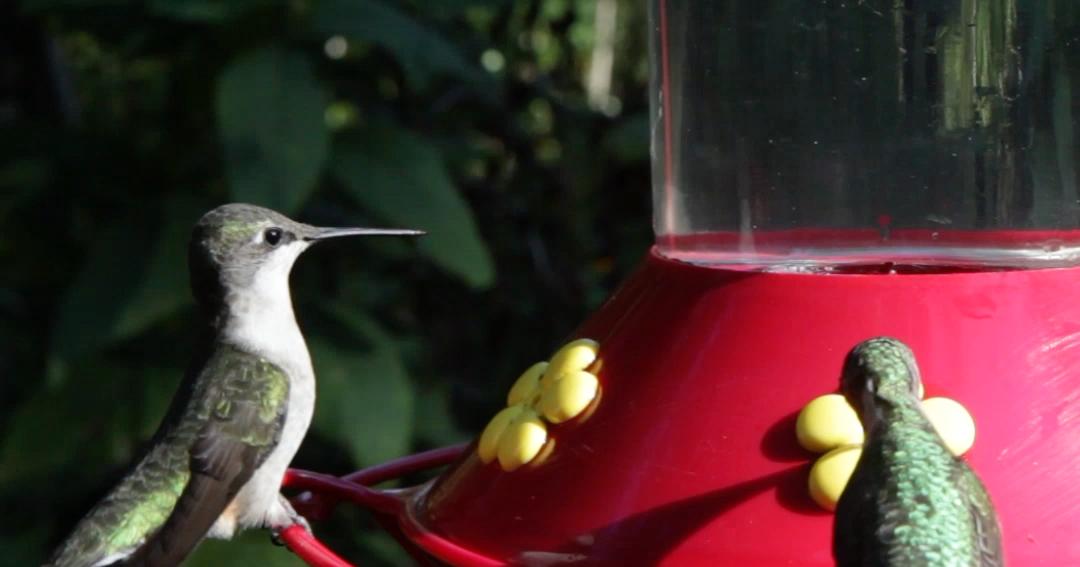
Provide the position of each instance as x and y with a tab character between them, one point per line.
690	458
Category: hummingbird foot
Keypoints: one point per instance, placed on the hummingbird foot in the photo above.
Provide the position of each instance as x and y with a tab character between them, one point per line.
284	516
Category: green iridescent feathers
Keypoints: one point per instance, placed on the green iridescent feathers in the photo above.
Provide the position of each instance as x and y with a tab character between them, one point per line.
248	406
910	502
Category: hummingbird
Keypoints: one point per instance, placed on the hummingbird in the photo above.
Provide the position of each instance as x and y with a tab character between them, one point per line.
910	501
216	463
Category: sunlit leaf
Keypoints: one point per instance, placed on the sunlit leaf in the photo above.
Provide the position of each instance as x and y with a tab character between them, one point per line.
365	399
401	178
420	50
270	111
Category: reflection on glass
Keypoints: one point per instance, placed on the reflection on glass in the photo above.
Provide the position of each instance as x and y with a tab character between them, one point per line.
795	133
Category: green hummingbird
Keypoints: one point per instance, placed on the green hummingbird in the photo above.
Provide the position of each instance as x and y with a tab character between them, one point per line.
216	463
910	502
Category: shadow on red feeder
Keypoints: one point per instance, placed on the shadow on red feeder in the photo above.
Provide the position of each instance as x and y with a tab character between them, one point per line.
690	457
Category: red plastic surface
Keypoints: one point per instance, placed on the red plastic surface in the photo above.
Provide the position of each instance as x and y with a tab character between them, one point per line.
690	456
311	550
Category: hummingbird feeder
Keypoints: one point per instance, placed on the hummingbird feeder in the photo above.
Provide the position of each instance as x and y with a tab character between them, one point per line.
823	172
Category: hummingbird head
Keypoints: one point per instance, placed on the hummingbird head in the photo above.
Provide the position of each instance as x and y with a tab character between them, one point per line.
878	370
241	249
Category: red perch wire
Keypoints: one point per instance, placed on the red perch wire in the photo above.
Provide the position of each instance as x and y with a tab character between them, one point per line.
353	488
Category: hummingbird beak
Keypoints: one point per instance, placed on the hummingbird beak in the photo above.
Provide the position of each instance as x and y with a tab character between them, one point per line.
321	233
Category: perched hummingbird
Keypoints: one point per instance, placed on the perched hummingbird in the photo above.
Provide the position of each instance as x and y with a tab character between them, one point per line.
910	502
216	463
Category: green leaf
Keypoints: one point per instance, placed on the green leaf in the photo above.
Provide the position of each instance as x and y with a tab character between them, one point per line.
435	420
401	178
82	420
128	283
157	386
35	439
270	112
420	50
206	11
92	306
365	399
249	548
164	288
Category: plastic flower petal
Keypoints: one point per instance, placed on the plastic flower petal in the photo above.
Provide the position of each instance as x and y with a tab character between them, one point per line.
569	395
522	440
488	447
828	424
527	385
546	393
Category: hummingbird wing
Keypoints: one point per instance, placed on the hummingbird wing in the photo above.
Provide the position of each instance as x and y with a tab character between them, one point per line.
137	506
242	406
987	536
857	520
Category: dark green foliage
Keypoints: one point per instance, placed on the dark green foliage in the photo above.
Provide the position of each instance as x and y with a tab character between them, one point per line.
270	118
124	121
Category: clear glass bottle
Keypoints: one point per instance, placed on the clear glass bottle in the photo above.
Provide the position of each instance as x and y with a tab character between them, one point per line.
796	135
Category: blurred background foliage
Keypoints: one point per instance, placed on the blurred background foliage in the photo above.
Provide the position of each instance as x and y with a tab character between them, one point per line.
514	131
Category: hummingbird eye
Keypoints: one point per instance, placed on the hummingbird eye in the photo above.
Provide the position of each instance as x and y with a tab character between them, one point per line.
272	236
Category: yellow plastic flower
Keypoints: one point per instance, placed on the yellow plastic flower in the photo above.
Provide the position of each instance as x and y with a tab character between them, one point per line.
547	393
828	424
